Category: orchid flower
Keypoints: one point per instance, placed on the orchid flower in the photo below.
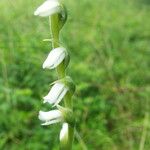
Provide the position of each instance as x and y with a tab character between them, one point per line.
50	117
64	132
56	94
55	57
49	7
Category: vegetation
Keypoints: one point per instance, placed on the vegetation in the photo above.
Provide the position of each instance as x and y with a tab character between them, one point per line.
109	44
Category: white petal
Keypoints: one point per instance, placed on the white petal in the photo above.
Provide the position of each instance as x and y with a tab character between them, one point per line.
55	57
64	132
54	93
51	115
51	122
61	96
48	8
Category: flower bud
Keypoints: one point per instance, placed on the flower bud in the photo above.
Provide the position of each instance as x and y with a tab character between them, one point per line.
51	117
49	7
64	135
55	57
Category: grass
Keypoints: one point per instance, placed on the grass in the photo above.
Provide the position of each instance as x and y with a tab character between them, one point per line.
109	44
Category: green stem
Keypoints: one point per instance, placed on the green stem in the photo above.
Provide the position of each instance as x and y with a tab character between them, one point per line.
54	29
83	145
144	133
70	137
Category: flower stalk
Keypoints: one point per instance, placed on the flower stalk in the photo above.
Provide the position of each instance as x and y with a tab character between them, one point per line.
54	28
63	88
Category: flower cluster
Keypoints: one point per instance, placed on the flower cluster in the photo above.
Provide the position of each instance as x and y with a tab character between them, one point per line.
58	59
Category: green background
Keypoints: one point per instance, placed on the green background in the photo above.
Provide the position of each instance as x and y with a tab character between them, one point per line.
109	45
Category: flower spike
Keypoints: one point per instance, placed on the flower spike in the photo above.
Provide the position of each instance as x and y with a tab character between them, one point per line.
64	87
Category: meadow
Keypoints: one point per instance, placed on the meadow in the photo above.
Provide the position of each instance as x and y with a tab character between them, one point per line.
109	45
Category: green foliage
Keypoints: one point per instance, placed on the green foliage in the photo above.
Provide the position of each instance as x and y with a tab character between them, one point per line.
109	44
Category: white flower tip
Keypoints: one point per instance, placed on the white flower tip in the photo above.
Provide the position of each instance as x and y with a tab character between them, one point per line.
40	115
44	124
45	99
44	66
48	8
64	132
36	13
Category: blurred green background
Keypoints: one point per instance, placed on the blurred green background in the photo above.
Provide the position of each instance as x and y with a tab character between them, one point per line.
109	44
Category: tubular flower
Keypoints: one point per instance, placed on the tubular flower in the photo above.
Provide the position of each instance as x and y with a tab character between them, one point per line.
50	117
56	94
64	133
55	57
48	8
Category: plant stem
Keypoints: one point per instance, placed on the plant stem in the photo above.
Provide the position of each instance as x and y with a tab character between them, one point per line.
83	145
144	133
54	29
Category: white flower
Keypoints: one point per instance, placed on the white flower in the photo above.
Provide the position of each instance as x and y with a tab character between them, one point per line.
56	93
64	133
50	117
48	8
55	57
